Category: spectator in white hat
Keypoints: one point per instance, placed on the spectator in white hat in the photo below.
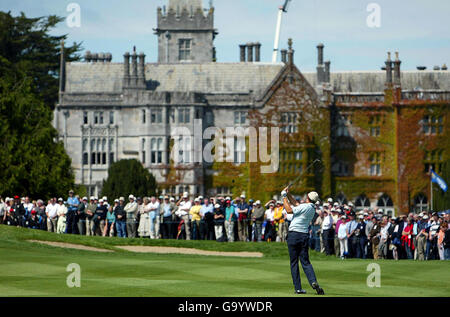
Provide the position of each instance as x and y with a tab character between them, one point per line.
258	219
219	220
184	206
61	212
81	216
90	211
342	236
131	209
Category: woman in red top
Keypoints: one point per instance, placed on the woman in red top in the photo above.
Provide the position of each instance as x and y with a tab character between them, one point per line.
407	241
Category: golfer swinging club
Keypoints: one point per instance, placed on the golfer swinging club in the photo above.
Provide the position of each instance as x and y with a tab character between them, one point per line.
298	238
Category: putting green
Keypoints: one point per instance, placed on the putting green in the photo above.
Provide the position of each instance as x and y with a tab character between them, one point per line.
32	269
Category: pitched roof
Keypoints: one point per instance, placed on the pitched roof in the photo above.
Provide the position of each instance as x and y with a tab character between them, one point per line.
203	78
373	81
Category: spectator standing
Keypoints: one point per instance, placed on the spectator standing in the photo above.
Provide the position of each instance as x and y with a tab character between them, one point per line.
432	251
18	211
154	213
184	206
342	236
61	212
230	219
144	219
440	243
361	238
269	218
100	218
374	237
327	233
258	218
121	218
90	211
422	234
195	218
40	212
384	235
242	210
352	238
407	240
72	208
110	221
207	214
446	244
81	216
279	222
52	215
219	220
168	210
131	210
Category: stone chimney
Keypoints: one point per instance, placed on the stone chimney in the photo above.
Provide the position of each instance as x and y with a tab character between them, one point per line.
141	73
290	53
284	55
126	70
250	52
108	57
134	69
242	48
94	57
257	52
388	70
87	56
397	75
327	71
321	75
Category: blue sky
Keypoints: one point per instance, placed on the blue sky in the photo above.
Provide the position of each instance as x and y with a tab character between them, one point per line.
418	29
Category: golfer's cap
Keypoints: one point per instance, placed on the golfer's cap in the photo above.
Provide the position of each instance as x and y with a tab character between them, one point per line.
258	202
337	210
317	203
166	197
243	196
360	217
85	198
251	201
95	198
92	198
336	204
279	202
60	199
105	198
313	196
71	191
122	199
421	214
172	199
228	198
271	204
346	208
200	197
330	200
16	197
425	217
101	200
343	217
161	197
350	204
33	212
196	200
380	211
131	197
139	198
185	195
216	206
394	218
332	209
116	200
365	214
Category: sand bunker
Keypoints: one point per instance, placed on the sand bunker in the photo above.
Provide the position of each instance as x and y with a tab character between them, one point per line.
70	246
165	250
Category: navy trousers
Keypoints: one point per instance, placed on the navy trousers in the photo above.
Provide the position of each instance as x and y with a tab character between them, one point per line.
298	245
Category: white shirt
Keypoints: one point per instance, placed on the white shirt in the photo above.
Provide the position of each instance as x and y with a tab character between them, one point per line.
62	210
327	222
52	210
184	208
384	231
342	232
28	206
269	214
288	216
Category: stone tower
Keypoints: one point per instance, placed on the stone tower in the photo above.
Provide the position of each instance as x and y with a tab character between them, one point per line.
185	32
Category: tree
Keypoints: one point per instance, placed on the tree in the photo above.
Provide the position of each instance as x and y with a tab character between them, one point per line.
127	177
32	162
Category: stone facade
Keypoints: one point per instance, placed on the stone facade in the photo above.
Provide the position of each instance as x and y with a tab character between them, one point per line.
375	132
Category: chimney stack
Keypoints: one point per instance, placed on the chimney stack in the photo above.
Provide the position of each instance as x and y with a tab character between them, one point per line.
250	52
290	53
134	69
94	57
141	75
87	57
126	68
284	55
389	69
242	48
327	71
321	74
397	79
257	52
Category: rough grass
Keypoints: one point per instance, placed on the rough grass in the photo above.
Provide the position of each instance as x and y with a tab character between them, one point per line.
29	269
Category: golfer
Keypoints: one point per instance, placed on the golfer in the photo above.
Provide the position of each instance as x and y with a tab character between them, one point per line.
298	238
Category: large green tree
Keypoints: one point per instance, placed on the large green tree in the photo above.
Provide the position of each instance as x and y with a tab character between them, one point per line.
32	162
127	177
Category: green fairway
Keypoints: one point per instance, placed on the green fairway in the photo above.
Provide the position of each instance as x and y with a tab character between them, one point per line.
29	269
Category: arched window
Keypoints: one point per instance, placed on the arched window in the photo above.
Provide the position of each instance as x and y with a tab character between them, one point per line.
341	199
362	202
420	203
385	201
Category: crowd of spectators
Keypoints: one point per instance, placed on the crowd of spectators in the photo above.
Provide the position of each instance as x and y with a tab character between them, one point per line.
336	230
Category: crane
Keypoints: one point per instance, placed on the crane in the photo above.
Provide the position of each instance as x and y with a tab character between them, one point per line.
282	9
